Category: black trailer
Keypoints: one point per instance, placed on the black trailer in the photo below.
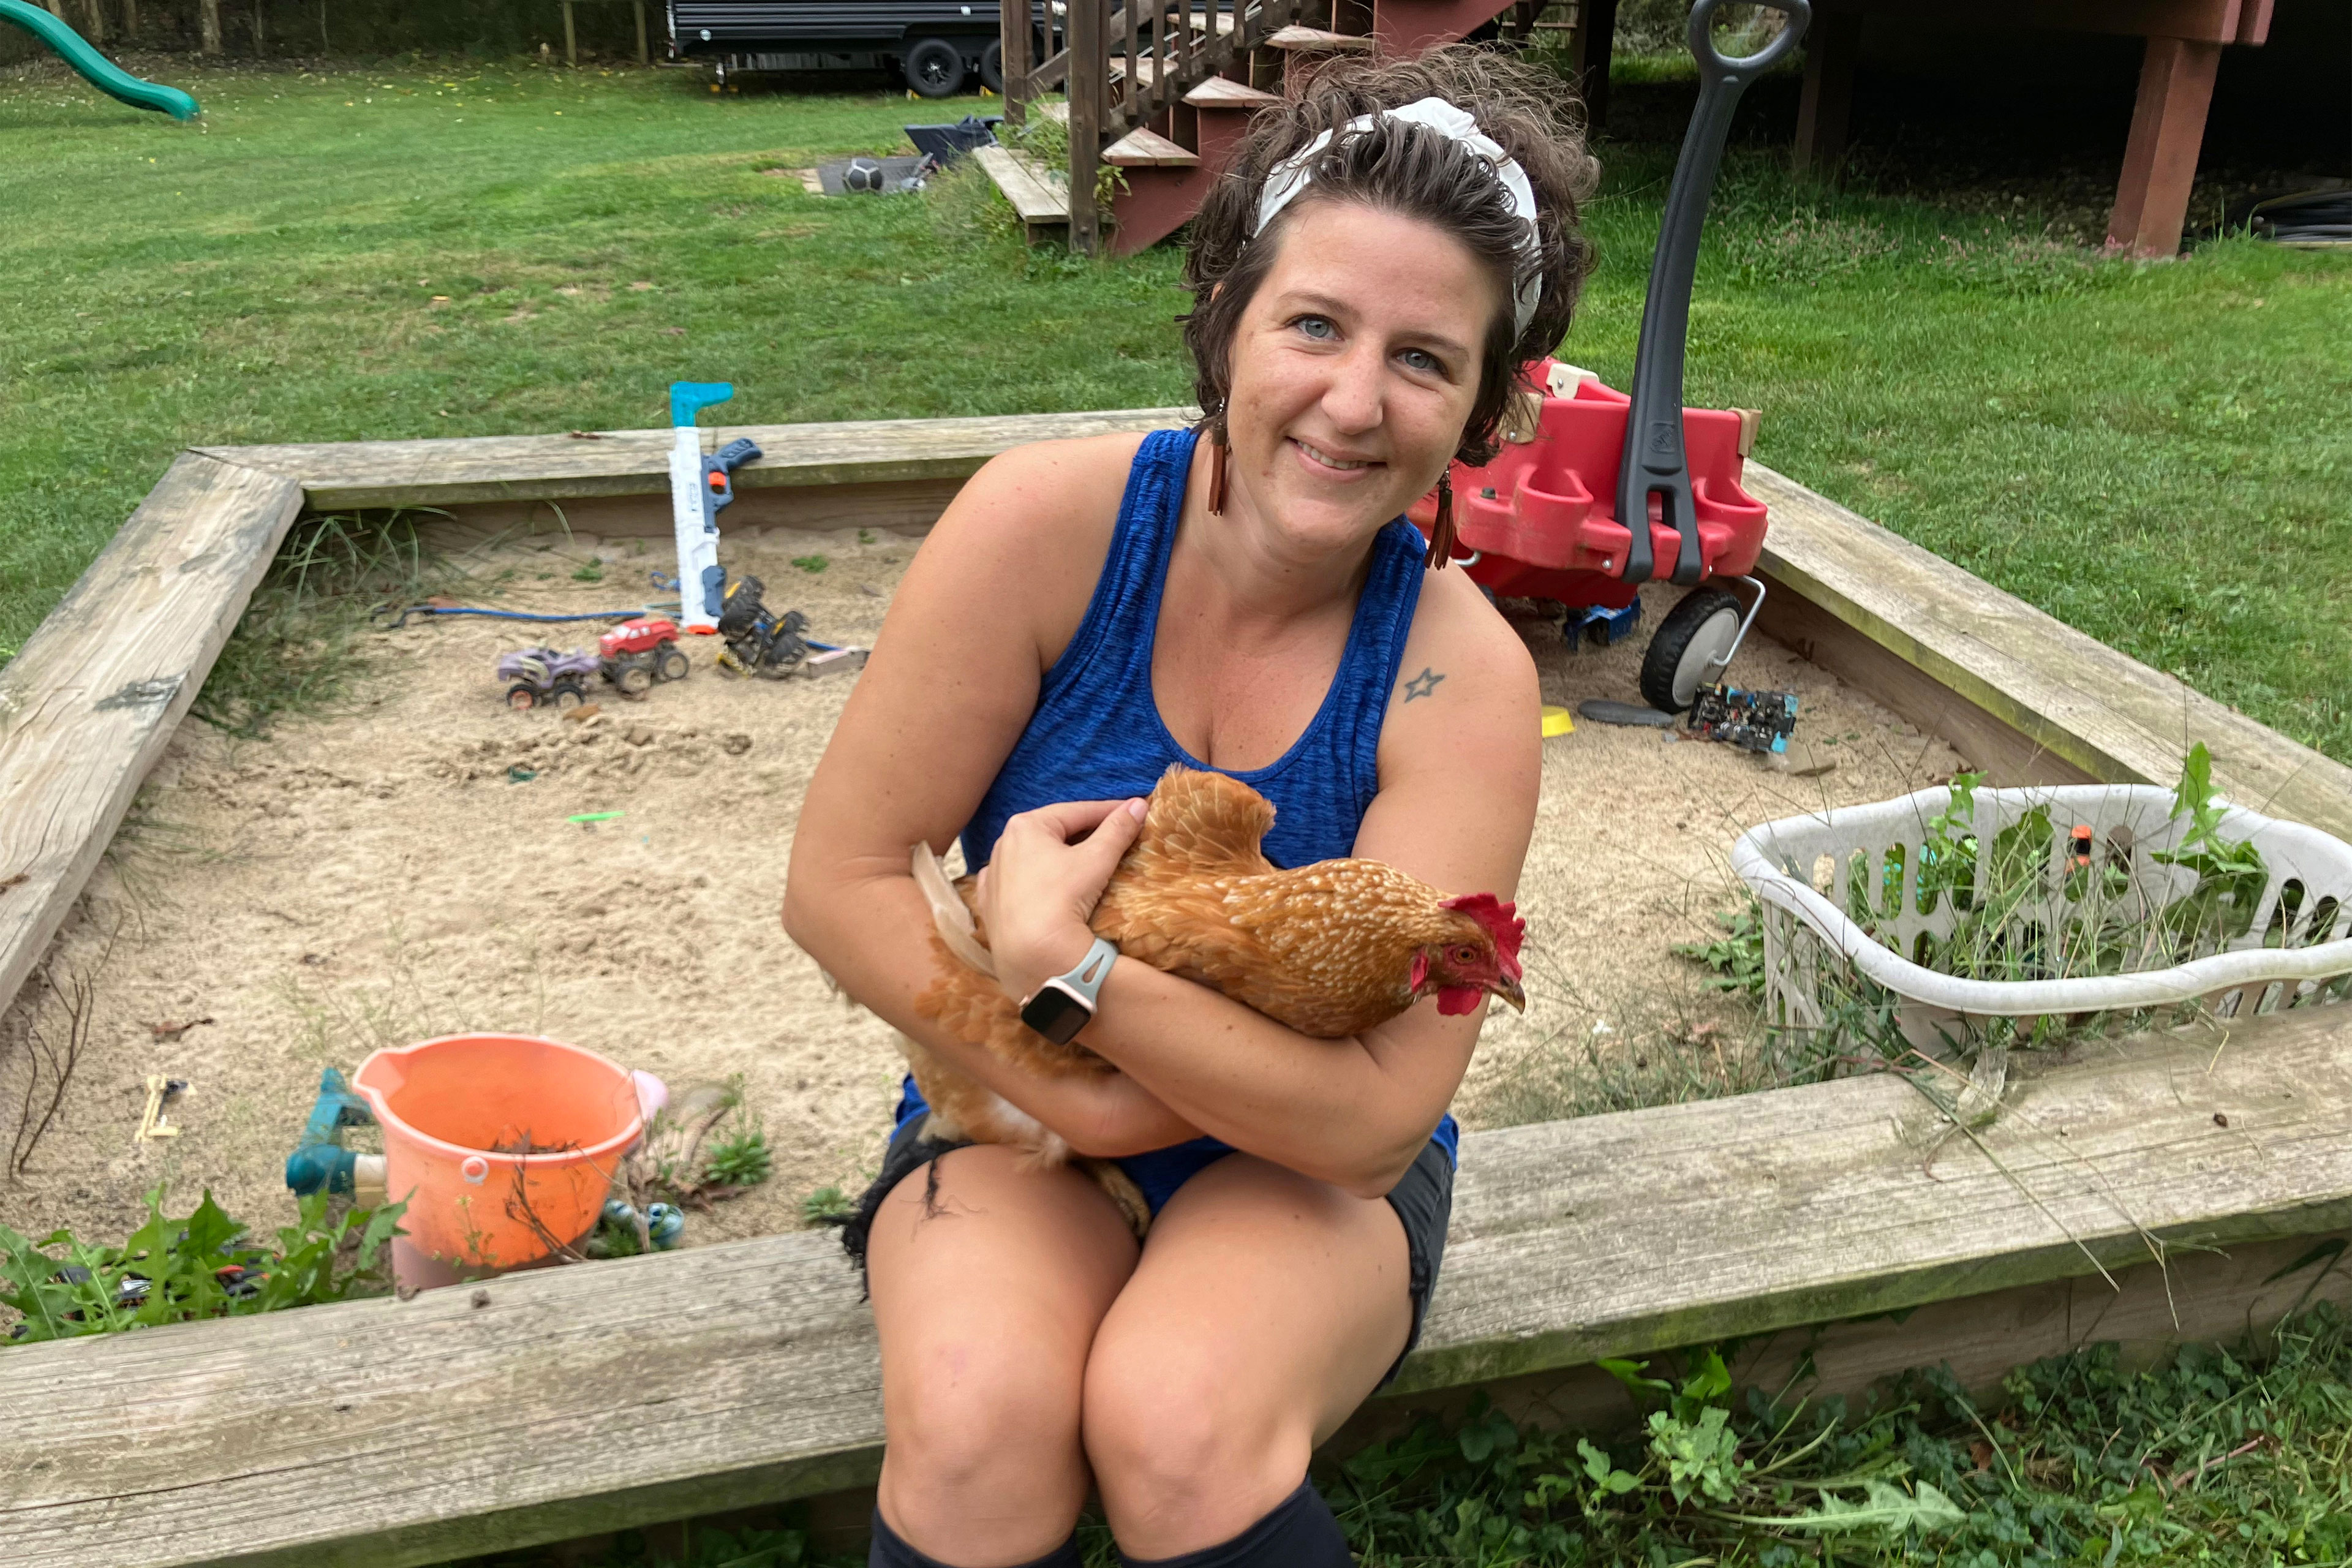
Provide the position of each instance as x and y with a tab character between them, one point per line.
939	46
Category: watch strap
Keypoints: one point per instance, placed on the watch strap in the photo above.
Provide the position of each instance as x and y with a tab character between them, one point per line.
1086	976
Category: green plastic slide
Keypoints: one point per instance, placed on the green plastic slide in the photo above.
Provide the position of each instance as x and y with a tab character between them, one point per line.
103	73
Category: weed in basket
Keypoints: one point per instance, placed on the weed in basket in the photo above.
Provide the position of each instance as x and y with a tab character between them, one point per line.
2042	901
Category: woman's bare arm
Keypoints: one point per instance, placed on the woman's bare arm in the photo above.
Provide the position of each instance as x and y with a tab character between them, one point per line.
995	591
1460	770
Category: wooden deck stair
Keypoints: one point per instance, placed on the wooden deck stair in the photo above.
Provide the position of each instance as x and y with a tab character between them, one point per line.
1317	40
1143	148
1171	87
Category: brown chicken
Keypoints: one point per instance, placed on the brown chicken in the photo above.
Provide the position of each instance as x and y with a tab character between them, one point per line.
1330	948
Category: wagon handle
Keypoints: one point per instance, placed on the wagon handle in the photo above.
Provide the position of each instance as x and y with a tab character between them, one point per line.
1655	462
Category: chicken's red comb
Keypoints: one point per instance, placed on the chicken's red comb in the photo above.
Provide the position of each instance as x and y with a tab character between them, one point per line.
1499	919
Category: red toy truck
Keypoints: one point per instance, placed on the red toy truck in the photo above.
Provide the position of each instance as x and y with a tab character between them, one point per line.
637	653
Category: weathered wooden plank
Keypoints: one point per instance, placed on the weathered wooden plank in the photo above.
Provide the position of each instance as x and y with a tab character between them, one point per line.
1573	1240
86	705
2066	692
730	1374
2192	1298
905	507
635	462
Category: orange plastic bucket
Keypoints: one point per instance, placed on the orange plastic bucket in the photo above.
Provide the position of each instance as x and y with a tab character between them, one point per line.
505	1147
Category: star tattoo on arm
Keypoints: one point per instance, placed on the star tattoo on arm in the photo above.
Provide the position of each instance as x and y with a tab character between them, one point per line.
1422	685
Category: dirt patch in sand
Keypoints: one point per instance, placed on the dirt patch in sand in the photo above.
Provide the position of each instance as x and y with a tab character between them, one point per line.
407	868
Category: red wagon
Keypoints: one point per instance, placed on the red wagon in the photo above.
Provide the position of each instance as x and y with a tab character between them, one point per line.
1602	490
1540	523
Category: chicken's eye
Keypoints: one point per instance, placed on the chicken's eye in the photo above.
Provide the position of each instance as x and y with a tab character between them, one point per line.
1466	954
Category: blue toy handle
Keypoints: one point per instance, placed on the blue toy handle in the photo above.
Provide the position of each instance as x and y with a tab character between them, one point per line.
688	399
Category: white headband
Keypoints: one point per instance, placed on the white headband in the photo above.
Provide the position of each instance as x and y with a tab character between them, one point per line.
1289	177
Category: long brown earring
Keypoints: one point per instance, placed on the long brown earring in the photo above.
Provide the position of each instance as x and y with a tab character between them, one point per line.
1216	473
1440	535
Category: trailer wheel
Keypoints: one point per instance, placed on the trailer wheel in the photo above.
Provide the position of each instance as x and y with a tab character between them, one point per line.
992	67
1694	634
934	67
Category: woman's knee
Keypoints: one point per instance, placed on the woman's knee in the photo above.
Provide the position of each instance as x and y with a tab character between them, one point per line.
1172	1439
981	1426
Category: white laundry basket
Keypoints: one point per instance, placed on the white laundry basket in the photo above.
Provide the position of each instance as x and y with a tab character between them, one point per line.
1820	958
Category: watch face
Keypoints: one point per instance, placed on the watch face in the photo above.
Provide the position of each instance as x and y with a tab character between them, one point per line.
1056	1013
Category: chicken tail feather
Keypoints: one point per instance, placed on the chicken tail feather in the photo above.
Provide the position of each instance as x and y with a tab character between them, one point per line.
1122	1190
948	912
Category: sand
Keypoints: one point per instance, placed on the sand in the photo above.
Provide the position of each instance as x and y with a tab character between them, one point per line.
388	874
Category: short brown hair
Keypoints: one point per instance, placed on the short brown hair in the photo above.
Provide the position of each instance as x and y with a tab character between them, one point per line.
1416	172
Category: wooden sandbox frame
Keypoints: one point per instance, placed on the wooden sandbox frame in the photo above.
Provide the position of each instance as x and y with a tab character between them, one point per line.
2148	1191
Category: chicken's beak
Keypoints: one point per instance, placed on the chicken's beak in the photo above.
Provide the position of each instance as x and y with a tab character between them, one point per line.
1508	988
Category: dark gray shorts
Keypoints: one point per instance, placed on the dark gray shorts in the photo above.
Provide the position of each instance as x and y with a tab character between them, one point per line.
1423	1199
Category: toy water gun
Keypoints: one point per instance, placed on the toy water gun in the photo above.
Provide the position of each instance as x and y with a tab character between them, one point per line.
700	488
320	1163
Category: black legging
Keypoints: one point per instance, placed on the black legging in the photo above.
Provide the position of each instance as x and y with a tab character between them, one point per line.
1299	1533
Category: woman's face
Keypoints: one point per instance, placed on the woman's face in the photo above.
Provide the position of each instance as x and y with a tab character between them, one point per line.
1353	371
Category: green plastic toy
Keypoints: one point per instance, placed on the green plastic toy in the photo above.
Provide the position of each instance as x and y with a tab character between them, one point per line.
103	73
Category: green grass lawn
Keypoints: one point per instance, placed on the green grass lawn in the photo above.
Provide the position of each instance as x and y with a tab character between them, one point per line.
2154	452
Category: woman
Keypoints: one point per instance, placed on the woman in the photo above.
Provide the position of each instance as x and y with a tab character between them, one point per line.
1390	247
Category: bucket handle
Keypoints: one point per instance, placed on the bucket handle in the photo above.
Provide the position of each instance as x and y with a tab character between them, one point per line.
475	1169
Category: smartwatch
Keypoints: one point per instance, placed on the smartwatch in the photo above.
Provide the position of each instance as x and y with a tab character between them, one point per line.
1066	1004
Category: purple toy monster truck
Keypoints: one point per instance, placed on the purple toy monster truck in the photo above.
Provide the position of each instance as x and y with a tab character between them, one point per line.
540	677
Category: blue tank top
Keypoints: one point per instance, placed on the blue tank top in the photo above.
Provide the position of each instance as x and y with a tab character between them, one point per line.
1096	733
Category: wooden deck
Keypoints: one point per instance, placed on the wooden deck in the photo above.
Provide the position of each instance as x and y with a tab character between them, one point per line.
389	1433
565	1402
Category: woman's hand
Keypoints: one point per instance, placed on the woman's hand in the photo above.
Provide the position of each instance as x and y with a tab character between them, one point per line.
1038	890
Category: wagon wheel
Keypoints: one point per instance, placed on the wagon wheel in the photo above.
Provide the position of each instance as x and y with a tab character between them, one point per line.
1693	641
521	697
567	694
635	676
671	663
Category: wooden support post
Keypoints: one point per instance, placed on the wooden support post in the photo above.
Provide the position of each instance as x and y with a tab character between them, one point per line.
570	38
1013	25
2175	88
1088	81
208	25
1587	56
1823	111
645	56
1132	109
